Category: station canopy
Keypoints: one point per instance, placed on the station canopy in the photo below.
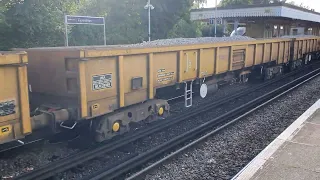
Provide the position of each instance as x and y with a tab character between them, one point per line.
273	14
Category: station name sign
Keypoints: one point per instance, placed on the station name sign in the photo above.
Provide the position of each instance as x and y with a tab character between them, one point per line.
84	20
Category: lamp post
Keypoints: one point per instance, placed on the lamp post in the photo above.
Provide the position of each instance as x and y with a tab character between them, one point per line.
149	7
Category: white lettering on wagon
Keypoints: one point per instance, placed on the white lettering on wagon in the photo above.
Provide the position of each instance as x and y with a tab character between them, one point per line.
102	81
164	77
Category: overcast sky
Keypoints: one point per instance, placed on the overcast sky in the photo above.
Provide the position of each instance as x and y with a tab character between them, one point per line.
314	4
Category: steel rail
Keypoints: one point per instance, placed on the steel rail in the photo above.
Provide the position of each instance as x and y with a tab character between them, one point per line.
202	138
69	162
235	114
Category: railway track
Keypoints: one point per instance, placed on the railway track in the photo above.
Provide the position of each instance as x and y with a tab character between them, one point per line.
84	156
197	134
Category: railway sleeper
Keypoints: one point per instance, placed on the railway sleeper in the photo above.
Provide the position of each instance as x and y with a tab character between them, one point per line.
111	125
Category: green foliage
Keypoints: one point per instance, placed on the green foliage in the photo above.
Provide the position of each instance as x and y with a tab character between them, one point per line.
32	23
224	3
185	29
208	31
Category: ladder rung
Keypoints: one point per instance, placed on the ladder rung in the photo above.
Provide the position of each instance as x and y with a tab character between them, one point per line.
188	95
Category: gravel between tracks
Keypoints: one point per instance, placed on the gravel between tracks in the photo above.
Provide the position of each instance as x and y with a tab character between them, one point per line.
14	165
223	155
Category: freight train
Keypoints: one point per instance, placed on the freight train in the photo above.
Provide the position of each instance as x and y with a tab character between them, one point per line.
108	87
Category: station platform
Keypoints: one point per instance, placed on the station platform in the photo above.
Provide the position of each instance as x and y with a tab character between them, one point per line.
293	155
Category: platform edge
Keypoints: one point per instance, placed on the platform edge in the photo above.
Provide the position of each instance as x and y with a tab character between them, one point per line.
257	163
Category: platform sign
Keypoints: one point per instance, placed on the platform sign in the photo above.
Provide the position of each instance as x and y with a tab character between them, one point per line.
84	20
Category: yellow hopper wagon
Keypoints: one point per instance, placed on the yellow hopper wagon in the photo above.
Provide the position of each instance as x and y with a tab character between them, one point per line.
111	86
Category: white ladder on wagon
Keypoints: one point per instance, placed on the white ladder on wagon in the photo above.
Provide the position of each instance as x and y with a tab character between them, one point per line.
188	95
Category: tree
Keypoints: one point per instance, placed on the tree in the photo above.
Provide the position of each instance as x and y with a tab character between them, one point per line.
224	3
31	23
127	22
185	29
208	31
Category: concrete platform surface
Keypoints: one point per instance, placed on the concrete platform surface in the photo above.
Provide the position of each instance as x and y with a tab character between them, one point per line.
293	155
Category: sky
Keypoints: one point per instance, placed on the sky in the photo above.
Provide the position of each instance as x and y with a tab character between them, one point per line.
313	4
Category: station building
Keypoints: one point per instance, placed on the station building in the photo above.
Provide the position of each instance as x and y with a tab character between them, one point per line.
263	20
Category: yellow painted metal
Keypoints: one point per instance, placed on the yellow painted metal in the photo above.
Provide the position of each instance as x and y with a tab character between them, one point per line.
135	67
286	52
268	52
296	50
181	58
101	52
83	89
189	65
82	53
9	89
299	50
255	54
5	131
150	79
250	50
24	100
239	47
121	81
115	127
279	59
207	62
238	57
264	52
216	60
246	56
199	61
164	68
271	51
152	67
223	60
309	45
305	46
14	89
9	58
231	58
108	97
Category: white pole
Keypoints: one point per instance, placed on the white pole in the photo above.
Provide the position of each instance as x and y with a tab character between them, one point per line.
104	32
215	21
66	29
149	15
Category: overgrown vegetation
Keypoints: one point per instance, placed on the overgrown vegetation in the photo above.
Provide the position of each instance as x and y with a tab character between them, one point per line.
33	23
37	23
